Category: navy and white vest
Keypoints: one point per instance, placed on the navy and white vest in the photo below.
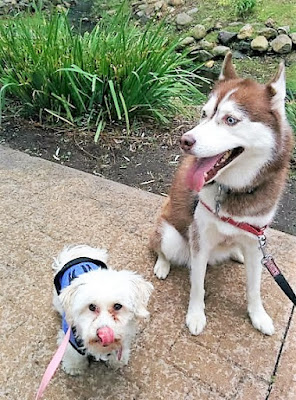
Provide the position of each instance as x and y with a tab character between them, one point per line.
73	269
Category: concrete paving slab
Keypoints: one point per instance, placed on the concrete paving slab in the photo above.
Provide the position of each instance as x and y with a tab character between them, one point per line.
285	379
44	206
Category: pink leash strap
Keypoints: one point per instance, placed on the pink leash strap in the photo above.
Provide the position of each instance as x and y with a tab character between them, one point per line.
53	365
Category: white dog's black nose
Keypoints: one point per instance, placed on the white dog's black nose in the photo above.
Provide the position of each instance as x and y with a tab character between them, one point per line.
187	141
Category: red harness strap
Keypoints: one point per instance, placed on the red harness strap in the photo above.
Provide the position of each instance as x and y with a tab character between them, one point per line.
241	225
267	259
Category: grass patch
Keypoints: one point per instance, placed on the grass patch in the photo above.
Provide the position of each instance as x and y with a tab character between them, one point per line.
224	11
117	72
283	12
291	114
263	68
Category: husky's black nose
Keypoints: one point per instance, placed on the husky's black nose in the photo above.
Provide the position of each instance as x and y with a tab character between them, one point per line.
187	141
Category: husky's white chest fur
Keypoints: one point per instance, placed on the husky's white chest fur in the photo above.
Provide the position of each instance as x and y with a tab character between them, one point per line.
237	162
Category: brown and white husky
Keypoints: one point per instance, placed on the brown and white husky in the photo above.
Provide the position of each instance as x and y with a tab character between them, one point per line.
237	162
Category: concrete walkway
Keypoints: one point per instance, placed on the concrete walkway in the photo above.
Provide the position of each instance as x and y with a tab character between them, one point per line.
44	206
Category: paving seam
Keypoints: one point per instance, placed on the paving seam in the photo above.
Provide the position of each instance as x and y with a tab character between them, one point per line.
198	381
279	354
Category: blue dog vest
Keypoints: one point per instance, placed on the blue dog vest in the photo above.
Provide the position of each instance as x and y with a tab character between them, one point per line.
73	269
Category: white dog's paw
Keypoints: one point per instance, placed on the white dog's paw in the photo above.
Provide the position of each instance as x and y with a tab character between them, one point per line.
262	321
162	268
73	370
73	363
196	321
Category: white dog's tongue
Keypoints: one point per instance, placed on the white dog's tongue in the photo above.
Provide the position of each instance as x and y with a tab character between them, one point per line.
106	335
195	175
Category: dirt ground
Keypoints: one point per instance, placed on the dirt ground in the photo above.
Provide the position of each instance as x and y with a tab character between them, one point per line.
146	161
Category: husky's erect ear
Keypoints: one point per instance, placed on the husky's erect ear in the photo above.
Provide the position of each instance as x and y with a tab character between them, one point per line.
227	71
277	89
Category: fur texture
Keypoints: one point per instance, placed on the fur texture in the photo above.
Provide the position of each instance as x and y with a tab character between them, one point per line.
237	158
104	289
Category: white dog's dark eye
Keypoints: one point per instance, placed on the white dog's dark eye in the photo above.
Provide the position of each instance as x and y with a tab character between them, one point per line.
92	307
203	114
231	120
117	306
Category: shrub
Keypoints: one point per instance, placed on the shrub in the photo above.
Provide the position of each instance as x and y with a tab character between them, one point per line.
116	72
291	110
244	7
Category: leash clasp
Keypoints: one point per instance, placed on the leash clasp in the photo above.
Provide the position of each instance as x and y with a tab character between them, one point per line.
262	245
218	199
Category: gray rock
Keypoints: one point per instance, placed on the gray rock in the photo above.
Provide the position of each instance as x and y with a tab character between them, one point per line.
183	19
159	5
201	55
246	32
290	59
242	46
199	32
238	55
187	41
293	37
225	37
235	23
220	51
140	13
260	43
283	30
206	45
192	11
175	3
218	25
269	33
270	23
282	44
143	6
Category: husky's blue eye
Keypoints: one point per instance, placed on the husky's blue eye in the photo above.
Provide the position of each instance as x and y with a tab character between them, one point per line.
231	120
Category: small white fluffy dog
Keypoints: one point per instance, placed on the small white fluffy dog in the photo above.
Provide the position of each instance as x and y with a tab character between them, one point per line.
101	305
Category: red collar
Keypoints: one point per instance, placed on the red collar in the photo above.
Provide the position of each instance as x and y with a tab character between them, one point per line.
241	225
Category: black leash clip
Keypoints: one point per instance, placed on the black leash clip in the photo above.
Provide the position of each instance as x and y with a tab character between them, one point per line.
269	263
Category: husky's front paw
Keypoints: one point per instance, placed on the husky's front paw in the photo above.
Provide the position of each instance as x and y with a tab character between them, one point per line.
196	321
262	321
162	268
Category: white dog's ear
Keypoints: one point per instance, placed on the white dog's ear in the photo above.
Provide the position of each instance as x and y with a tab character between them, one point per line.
277	89
141	294
228	70
66	297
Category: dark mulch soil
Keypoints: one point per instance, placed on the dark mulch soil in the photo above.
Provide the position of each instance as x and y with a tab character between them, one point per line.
146	161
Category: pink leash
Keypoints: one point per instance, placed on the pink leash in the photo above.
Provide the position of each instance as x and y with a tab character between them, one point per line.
53	365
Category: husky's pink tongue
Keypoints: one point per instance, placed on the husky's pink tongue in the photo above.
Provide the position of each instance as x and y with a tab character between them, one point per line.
195	175
106	335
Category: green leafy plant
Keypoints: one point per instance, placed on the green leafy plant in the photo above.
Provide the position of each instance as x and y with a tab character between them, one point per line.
291	109
116	72
244	7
